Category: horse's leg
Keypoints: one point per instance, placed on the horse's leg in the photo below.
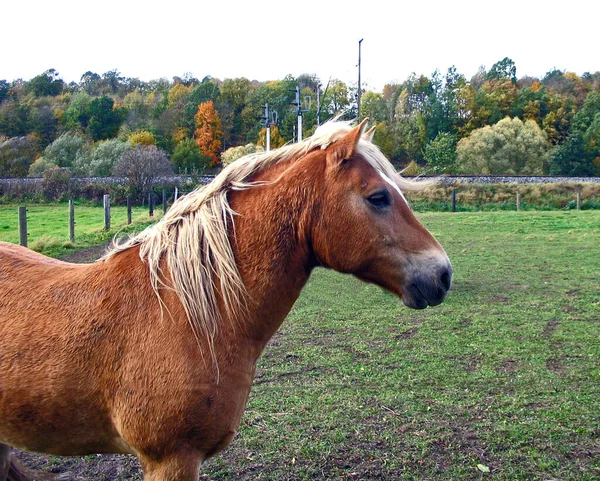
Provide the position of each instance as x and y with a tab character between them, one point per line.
179	467
13	470
4	461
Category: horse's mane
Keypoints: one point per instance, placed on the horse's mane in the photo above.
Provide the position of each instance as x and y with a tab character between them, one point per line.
192	238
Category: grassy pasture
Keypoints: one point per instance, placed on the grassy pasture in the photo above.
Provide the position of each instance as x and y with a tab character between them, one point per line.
48	225
502	381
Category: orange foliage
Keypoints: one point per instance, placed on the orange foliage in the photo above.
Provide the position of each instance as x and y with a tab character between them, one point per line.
209	131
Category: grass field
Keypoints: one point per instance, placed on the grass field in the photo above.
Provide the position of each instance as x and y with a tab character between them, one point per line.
502	381
48	225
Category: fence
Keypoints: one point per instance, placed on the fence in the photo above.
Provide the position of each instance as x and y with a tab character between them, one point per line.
105	223
445	197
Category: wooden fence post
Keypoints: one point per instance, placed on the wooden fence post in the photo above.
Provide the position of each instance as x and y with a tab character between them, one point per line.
176	194
71	220
151	204
453	200
164	201
23	225
578	200
518	201
106	212
128	209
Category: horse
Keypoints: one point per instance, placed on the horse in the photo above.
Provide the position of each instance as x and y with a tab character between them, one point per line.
152	349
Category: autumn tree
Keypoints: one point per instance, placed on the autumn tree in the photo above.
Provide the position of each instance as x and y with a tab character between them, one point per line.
276	140
209	132
510	147
142	137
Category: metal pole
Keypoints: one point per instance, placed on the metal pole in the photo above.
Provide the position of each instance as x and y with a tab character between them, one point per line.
318	104
299	113
453	200
359	93
268	125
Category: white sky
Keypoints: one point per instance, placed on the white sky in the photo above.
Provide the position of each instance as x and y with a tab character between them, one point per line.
266	40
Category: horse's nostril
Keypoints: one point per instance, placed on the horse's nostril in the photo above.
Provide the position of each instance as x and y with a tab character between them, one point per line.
446	279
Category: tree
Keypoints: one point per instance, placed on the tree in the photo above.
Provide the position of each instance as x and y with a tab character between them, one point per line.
234	153
142	137
142	165
203	92
100	161
62	151
440	154
580	153
46	84
209	133
504	69
77	114
373	107
187	158
510	146
16	155
276	140
105	119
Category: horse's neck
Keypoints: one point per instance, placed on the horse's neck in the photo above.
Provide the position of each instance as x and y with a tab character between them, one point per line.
273	251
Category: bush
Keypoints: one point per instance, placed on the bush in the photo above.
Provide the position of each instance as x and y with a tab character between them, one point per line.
56	183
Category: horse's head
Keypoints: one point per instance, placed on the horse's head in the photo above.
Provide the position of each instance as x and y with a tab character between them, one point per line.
366	227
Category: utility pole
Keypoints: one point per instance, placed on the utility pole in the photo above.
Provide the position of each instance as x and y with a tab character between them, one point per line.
299	109
265	118
319	104
358	96
268	125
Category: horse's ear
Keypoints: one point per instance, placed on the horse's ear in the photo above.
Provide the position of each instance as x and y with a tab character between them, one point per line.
344	148
368	135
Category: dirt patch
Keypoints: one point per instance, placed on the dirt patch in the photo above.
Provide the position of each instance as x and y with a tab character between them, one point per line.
106	467
550	327
85	256
508	365
408	334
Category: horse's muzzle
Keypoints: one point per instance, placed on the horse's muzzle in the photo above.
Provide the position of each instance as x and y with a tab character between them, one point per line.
428	290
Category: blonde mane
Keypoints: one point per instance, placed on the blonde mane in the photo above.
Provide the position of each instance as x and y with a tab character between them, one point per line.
193	237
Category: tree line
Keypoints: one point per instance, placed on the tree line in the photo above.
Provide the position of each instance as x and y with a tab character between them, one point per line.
492	123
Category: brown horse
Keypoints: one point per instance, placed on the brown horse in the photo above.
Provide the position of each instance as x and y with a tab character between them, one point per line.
152	350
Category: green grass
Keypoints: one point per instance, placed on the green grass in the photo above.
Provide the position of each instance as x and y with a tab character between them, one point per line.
505	375
501	381
48	225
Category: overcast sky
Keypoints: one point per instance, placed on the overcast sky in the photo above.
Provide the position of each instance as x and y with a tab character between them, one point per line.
267	40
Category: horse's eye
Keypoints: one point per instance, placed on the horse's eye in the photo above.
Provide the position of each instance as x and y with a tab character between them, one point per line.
380	199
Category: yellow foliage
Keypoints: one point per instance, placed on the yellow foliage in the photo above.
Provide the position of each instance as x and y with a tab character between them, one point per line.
177	92
412	169
179	135
142	137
